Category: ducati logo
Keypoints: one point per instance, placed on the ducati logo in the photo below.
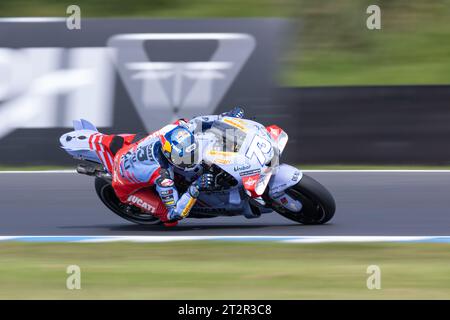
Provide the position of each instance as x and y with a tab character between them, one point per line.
140	203
164	91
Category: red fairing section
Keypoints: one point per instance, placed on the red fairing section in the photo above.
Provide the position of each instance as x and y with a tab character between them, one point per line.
249	183
122	186
142	195
149	201
129	189
100	144
274	131
278	135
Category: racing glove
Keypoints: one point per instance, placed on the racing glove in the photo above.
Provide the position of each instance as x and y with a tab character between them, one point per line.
236	112
205	182
177	207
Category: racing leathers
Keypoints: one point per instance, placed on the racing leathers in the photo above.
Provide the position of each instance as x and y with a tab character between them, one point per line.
140	169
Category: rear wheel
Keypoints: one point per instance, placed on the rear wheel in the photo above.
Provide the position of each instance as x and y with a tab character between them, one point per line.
318	203
106	193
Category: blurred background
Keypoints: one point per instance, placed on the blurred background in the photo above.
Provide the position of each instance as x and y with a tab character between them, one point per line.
331	44
345	94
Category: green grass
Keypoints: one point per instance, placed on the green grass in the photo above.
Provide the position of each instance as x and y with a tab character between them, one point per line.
329	44
337	49
215	270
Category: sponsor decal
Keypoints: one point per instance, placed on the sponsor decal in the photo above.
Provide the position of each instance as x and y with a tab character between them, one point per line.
295	176
222	157
138	154
241	167
167	183
261	148
149	150
222	153
140	203
142	154
278	189
126	160
166	192
235	124
222	161
250	182
249	172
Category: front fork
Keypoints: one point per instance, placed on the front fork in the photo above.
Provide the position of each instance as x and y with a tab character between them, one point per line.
284	178
286	201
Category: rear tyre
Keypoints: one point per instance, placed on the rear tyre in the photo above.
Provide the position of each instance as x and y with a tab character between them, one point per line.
107	195
318	203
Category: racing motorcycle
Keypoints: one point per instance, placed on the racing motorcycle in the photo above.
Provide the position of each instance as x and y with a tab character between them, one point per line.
243	157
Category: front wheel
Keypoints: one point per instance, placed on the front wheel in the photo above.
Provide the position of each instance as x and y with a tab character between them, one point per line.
318	203
106	193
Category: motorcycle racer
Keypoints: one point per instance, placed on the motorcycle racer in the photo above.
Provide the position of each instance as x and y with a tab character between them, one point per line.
147	165
163	173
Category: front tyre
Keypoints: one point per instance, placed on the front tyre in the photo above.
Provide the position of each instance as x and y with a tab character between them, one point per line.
318	203
106	193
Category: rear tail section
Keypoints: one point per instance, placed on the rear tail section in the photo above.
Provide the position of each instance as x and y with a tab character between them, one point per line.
86	143
100	144
83	125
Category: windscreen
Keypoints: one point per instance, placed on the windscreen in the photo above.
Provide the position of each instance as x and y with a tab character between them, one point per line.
229	138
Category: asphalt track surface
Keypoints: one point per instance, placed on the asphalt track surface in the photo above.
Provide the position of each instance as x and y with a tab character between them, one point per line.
368	203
